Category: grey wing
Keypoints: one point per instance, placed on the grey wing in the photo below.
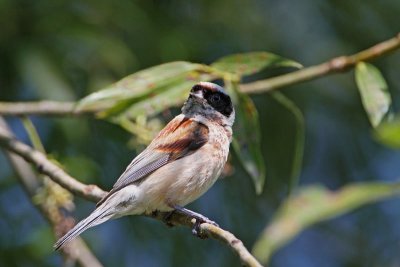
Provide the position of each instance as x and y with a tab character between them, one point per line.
144	164
178	139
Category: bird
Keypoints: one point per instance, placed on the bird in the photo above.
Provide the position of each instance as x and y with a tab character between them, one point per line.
181	163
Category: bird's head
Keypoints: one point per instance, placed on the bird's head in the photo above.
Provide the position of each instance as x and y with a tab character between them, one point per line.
210	101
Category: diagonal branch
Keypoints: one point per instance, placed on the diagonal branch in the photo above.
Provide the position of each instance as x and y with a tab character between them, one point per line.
338	64
28	179
45	166
94	193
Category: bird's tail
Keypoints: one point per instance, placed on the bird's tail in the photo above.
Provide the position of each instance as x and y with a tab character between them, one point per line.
98	216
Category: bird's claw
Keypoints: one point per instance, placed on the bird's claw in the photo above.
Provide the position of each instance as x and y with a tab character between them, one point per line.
196	227
196	230
167	219
198	217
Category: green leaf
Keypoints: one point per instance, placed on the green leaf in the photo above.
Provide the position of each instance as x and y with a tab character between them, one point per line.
172	96
33	134
247	138
388	133
374	92
138	86
300	138
250	63
315	204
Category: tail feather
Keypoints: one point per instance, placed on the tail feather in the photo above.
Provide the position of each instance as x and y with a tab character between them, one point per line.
98	216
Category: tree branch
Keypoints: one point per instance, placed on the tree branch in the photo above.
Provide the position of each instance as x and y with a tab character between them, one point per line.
45	166
94	193
230	240
28	179
335	65
48	108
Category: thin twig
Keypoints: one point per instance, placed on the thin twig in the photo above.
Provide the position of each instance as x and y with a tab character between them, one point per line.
335	65
94	193
47	108
45	166
78	250
230	240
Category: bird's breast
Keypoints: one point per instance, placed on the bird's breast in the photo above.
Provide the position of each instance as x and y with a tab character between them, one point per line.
186	179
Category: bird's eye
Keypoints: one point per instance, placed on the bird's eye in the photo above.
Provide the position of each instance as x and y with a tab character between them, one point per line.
220	102
215	98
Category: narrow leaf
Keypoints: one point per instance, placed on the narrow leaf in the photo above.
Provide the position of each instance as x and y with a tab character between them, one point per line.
33	134
315	204
374	92
388	133
173	96
138	85
250	63
300	138
247	141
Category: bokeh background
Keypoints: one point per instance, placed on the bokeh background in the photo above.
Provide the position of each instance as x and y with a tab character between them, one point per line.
64	50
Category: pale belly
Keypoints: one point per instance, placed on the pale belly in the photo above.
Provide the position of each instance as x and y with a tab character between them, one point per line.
177	183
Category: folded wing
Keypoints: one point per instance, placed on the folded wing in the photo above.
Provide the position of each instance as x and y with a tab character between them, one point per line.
181	137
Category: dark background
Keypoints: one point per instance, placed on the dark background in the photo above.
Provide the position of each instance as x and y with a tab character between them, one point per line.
63	50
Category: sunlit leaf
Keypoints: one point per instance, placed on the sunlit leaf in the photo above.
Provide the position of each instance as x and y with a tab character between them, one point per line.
315	204
247	141
374	92
138	85
388	133
251	63
173	96
33	134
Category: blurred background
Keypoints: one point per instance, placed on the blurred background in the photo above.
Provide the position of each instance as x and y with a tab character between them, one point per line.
64	50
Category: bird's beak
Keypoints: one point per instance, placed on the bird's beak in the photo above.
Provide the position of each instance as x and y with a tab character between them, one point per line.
198	94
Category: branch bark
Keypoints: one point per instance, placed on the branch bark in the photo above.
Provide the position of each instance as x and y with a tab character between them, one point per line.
78	251
335	65
94	193
338	64
52	108
45	166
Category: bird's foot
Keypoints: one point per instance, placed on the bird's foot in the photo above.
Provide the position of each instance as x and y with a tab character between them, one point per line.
199	220
196	227
167	218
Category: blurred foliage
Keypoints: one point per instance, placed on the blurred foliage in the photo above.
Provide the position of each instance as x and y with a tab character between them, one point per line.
247	139
68	50
299	138
374	92
314	204
388	133
250	63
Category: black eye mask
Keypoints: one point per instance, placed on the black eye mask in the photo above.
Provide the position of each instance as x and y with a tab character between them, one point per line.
220	101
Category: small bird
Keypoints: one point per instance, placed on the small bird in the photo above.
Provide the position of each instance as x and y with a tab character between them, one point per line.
179	165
